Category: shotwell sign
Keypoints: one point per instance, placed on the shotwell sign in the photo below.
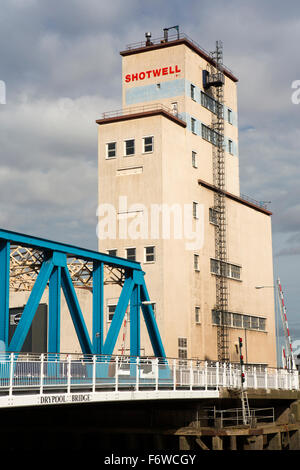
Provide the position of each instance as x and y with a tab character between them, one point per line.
170	70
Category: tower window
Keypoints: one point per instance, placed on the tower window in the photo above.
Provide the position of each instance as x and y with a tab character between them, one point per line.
110	312
131	254
111	149
149	254
112	252
193	92
182	349
230	146
196	262
194	160
229	116
197	314
193	125
148	144
195	210
129	147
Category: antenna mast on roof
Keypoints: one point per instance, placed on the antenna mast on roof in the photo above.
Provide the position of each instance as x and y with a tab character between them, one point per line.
166	32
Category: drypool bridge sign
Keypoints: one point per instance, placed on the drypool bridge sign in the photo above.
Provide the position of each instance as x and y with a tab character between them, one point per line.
34	264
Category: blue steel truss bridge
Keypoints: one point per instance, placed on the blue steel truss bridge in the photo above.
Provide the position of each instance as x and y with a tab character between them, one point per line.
96	374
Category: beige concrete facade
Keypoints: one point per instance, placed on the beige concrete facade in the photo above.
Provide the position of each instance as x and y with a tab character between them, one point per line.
166	175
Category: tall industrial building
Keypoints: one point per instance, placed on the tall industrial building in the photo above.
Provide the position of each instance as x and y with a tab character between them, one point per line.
169	197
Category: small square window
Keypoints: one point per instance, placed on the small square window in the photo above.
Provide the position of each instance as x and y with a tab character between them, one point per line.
111	149
129	147
131	254
213	216
262	324
148	144
149	254
110	312
112	252
216	317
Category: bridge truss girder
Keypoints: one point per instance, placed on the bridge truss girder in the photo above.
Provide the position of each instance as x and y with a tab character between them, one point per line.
31	263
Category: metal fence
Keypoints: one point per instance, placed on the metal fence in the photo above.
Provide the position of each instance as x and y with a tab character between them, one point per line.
116	373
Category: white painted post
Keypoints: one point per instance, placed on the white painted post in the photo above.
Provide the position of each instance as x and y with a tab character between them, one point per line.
295	379
69	374
266	379
117	375
94	374
217	375
224	375
42	374
156	374
137	377
255	377
205	374
276	379
230	375
11	373
174	374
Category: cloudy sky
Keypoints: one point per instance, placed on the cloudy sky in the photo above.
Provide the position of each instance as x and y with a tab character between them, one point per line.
61	65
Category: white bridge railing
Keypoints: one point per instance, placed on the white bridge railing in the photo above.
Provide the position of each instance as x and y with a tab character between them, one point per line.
67	372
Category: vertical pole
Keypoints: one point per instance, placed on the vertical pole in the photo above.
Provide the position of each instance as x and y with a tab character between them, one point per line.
117	374
98	305
191	375
42	374
137	378
4	293
69	374
11	375
174	374
255	377
205	374
94	374
156	373
135	346
54	310
217	375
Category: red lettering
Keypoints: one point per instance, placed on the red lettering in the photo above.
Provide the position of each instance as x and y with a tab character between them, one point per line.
156	73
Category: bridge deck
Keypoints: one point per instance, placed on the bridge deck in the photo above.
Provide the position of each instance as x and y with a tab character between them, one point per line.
27	380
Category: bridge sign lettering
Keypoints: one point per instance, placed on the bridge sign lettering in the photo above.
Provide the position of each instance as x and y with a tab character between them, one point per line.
56	399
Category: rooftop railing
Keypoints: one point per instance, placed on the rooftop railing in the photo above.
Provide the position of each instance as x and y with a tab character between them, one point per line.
263	204
139	109
171	38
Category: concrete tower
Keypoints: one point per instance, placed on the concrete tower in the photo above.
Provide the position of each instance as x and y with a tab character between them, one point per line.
169	176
